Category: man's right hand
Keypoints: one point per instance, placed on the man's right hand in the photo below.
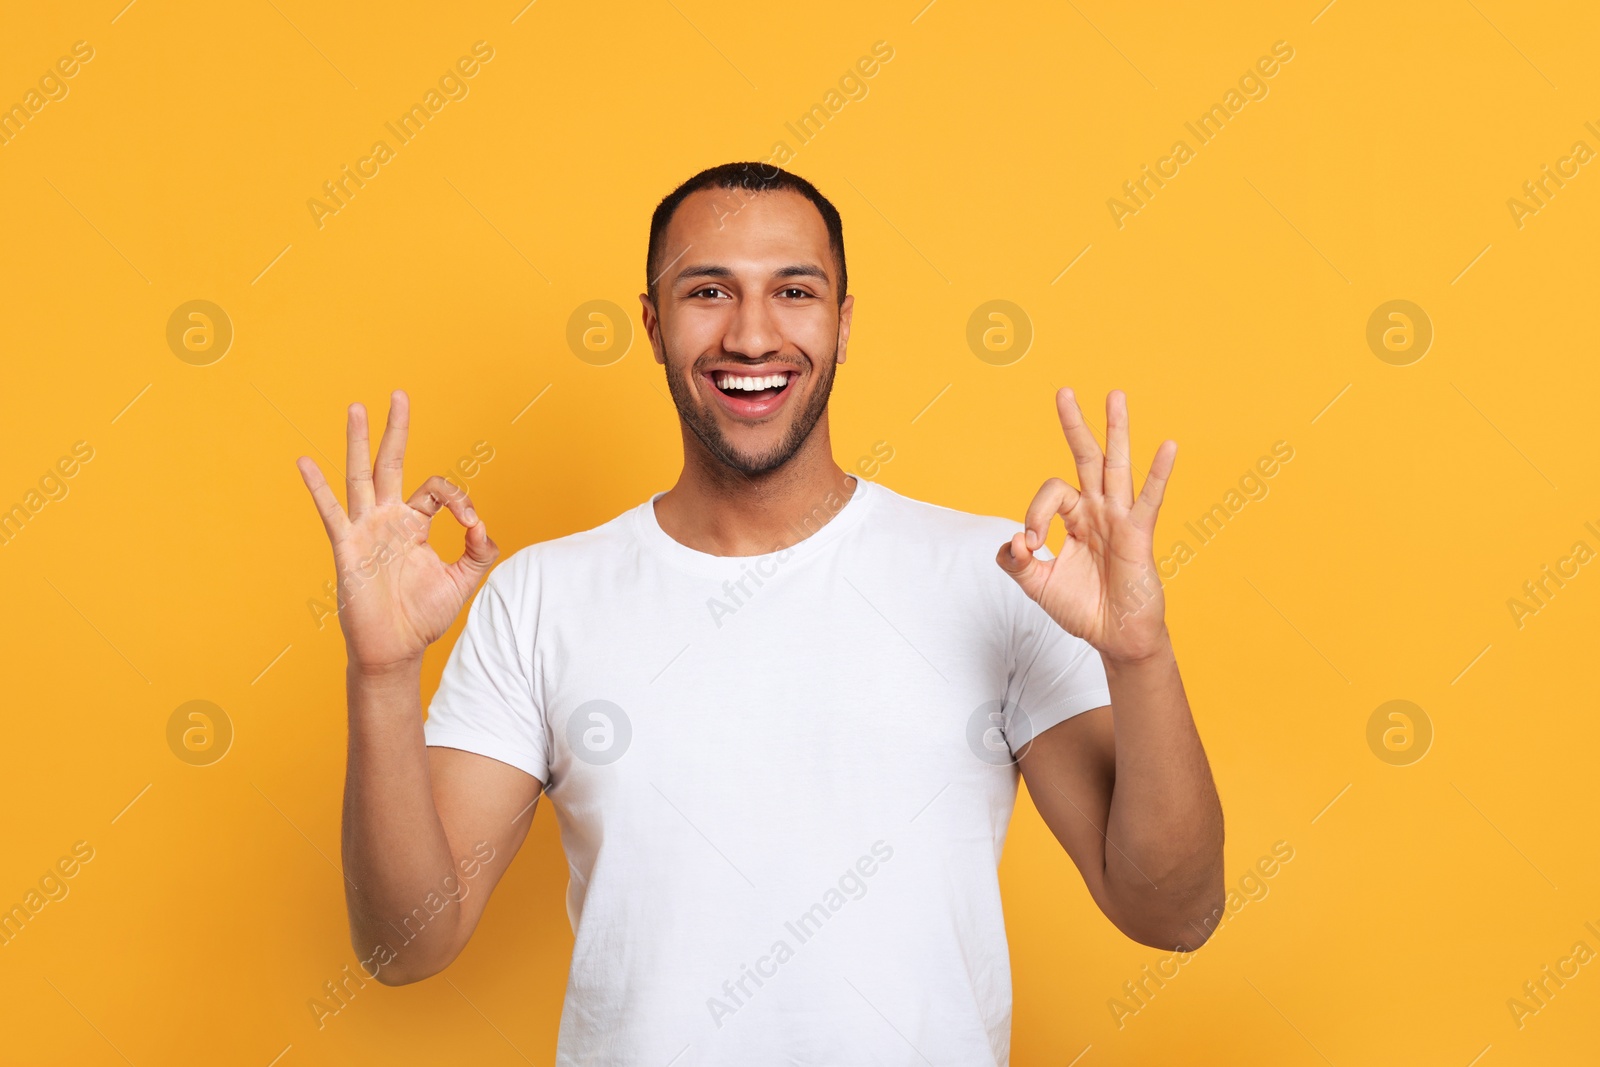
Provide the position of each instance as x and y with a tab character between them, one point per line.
396	596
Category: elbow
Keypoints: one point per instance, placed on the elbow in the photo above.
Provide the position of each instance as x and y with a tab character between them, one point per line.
397	969
1176	925
394	975
1176	897
1196	930
1193	923
1174	936
412	962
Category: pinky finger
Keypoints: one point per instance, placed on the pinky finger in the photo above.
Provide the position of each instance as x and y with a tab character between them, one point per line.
1155	486
333	516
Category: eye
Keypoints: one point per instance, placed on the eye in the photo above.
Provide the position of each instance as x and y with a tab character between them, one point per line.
797	291
707	289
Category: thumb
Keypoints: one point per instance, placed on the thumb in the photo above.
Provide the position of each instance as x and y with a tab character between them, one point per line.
1017	560
477	557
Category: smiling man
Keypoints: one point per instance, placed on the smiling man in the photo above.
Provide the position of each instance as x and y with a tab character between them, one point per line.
782	825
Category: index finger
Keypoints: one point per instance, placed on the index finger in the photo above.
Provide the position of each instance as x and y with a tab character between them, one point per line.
1055	497
1085	450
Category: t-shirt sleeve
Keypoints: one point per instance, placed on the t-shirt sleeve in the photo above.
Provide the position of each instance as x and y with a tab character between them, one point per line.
486	701
1054	675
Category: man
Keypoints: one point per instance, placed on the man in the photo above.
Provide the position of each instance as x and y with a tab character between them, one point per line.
780	711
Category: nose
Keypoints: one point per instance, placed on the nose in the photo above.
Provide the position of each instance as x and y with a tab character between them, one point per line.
753	332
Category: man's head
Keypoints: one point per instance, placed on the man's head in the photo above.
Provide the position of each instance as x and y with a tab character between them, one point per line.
746	288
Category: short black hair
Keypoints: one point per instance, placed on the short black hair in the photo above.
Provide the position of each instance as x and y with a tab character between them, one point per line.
750	177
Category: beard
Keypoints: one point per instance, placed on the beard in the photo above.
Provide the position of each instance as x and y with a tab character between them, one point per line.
703	424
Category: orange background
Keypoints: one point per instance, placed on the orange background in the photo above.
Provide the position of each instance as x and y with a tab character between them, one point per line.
1233	307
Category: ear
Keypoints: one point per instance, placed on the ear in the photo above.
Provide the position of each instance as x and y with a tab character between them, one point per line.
652	326
846	310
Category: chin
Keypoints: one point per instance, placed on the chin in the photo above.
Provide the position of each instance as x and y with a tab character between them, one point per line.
755	457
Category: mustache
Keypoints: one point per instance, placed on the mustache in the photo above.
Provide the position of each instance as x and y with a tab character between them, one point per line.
742	361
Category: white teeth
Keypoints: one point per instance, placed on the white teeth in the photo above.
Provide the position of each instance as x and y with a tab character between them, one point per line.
748	384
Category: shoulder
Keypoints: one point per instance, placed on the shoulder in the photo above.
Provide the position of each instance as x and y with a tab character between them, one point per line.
958	547
571	556
919	518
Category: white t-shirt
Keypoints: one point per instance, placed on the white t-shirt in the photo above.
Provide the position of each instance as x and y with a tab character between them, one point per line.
782	782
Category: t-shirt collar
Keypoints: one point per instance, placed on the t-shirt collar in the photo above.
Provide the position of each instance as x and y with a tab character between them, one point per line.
648	529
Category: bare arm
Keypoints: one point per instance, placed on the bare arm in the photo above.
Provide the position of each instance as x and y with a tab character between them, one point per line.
426	832
1128	793
1126	789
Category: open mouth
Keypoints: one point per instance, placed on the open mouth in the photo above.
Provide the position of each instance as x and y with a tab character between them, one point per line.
752	395
751	387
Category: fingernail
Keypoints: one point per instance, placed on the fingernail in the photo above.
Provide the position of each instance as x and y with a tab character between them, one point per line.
472	517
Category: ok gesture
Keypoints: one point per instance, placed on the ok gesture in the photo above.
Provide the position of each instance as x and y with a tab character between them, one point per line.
1103	586
396	596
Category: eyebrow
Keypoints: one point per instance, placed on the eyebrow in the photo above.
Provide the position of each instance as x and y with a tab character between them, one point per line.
711	270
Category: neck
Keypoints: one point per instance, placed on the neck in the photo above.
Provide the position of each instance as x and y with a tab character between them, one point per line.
716	509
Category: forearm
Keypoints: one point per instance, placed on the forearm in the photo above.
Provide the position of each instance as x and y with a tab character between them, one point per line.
1165	820
396	852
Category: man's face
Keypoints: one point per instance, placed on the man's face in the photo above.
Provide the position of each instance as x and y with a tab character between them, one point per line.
749	325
